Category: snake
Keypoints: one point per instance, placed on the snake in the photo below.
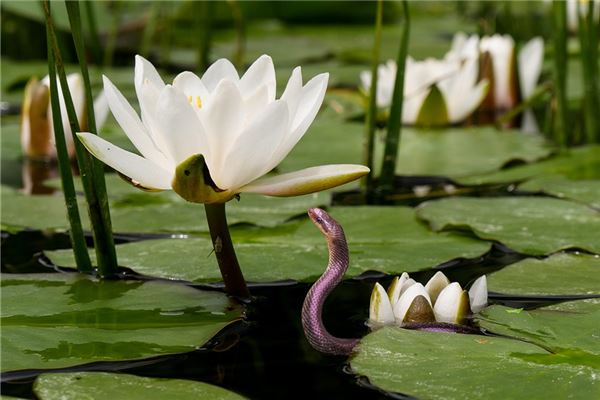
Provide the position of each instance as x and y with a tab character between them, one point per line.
312	309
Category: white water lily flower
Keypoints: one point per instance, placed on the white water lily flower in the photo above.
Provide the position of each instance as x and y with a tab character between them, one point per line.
436	92
441	301
37	129
213	137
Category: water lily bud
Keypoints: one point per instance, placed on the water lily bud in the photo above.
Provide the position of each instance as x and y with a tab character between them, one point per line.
419	311
36	131
452	304
380	309
405	301
478	294
395	290
436	284
192	181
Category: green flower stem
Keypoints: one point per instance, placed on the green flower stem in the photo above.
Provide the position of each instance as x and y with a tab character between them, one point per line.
372	108
559	11
235	284
82	258
92	175
588	39
392	141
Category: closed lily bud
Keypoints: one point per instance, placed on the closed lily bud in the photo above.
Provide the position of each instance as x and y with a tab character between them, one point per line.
478	294
397	286
380	310
452	305
420	311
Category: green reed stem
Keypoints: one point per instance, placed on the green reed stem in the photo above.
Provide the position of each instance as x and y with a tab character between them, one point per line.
95	46
588	39
559	12
204	19
392	141
235	284
371	118
82	257
92	175
541	92
150	28
240	29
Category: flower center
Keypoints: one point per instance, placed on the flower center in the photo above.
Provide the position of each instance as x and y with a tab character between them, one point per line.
198	101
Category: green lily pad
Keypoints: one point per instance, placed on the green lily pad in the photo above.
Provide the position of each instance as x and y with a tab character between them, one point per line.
531	225
453	366
62	320
572	338
577	163
584	191
462	152
102	385
383	239
578	306
559	274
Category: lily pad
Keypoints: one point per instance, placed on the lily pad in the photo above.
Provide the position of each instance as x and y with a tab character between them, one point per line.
62	320
453	366
577	163
572	338
531	225
382	239
584	191
458	152
559	274
102	385
578	306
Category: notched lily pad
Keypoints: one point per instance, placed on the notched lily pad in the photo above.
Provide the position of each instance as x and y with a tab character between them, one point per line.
380	238
559	274
447	366
102	385
62	320
531	225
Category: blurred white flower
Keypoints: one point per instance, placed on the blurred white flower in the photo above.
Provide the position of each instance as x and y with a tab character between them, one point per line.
436	92
506	68
440	300
37	130
213	137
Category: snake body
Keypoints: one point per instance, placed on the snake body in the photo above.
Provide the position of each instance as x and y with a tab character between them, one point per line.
312	310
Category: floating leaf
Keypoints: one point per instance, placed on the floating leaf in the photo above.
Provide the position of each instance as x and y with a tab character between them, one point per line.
61	320
102	385
434	365
459	152
577	163
572	338
559	274
531	225
584	191
380	238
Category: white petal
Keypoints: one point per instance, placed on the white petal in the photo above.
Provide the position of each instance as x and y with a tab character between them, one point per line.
308	107
100	109
529	123
436	284
530	61
406	284
141	170
191	85
459	110
176	117
293	91
223	119
131	124
219	70
478	294
501	49
380	309
449	306
256	103
411	106
395	289
146	74
306	181
260	73
250	156
403	304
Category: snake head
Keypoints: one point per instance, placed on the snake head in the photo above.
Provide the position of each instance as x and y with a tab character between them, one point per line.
324	222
